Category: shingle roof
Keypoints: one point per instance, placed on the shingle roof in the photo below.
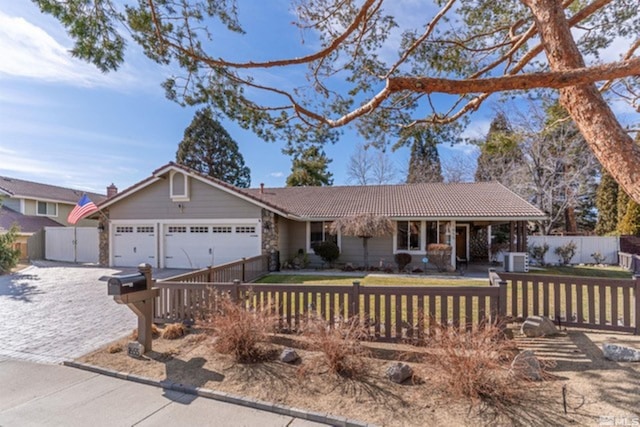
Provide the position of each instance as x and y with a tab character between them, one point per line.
27	224
20	188
436	200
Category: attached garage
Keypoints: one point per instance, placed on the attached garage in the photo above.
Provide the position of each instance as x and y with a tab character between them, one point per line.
202	245
180	219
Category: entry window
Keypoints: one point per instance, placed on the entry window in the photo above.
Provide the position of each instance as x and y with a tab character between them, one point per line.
47	209
177	229
221	229
245	229
319	231
408	235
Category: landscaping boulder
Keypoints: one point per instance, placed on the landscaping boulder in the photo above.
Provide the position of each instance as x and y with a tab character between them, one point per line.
538	326
526	365
289	355
399	372
618	353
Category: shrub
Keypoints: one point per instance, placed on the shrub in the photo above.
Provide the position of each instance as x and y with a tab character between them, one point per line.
155	332
598	258
440	255
173	331
238	330
538	253
8	255
327	250
475	365
341	347
402	259
566	252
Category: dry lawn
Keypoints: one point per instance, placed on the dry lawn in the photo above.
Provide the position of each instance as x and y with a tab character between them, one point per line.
595	387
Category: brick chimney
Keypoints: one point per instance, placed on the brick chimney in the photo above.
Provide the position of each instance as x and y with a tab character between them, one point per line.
261	188
112	190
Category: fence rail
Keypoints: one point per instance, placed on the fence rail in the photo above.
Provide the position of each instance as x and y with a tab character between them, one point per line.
595	303
245	270
390	313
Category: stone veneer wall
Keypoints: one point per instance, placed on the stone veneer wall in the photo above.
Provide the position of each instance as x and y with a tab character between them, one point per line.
103	236
269	232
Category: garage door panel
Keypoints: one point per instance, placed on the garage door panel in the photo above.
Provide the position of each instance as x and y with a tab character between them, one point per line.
200	246
134	245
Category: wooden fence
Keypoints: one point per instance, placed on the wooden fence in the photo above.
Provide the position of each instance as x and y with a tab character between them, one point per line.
595	303
245	270
390	313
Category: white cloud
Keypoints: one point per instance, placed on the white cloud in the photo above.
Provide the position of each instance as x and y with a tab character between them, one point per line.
277	174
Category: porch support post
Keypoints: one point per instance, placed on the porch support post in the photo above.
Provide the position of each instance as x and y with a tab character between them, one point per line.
512	232
489	242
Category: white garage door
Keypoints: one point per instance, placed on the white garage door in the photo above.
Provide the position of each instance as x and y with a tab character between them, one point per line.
134	245
199	246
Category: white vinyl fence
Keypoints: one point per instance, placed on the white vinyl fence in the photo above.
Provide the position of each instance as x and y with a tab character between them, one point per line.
585	246
71	244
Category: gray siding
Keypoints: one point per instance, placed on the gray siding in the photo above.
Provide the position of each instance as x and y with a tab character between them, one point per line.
284	226
153	202
380	249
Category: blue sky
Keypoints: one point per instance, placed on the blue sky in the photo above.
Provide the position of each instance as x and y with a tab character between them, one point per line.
63	122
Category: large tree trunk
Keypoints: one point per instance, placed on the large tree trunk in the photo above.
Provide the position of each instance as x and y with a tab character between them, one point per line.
613	147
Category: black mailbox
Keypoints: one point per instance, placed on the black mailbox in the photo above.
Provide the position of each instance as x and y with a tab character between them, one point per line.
126	283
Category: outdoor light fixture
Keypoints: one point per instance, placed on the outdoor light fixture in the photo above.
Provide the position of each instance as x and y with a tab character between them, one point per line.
101	227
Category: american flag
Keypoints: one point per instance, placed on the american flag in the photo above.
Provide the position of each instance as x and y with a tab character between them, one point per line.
84	207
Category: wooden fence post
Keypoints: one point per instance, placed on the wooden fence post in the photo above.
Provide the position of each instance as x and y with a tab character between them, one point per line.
636	313
355	299
502	304
235	292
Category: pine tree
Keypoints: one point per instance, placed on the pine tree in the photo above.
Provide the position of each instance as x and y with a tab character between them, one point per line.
424	164
607	205
208	148
630	223
499	152
310	168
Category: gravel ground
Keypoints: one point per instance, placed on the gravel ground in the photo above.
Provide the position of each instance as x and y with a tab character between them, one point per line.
51	312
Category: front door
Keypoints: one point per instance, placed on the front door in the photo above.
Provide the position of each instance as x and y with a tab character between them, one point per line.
462	239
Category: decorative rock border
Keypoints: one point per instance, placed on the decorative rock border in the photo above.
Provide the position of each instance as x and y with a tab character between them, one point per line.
224	397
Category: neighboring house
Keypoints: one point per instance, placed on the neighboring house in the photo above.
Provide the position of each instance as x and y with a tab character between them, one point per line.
179	218
32	206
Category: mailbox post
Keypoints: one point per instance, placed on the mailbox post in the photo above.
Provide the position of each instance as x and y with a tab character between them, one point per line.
137	291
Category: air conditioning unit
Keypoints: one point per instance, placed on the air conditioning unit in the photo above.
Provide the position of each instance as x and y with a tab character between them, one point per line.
516	262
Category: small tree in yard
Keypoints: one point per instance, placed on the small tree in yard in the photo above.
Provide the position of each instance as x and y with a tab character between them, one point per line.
327	250
8	256
538	253
566	252
364	226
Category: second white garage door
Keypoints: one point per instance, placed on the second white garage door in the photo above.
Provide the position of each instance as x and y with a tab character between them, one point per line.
199	246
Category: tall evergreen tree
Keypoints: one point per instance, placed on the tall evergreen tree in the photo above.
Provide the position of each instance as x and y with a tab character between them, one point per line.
310	167
500	154
607	205
208	148
424	164
628	211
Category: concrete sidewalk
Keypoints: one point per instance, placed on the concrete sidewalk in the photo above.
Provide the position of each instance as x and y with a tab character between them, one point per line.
34	394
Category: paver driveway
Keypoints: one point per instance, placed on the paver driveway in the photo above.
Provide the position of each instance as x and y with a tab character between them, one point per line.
52	312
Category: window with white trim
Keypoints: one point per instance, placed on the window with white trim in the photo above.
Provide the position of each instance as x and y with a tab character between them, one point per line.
319	231
179	186
47	209
408	235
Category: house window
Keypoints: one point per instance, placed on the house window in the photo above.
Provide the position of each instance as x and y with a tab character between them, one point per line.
319	231
408	235
178	187
47	209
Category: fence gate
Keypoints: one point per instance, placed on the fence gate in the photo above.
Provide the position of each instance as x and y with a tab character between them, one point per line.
71	244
